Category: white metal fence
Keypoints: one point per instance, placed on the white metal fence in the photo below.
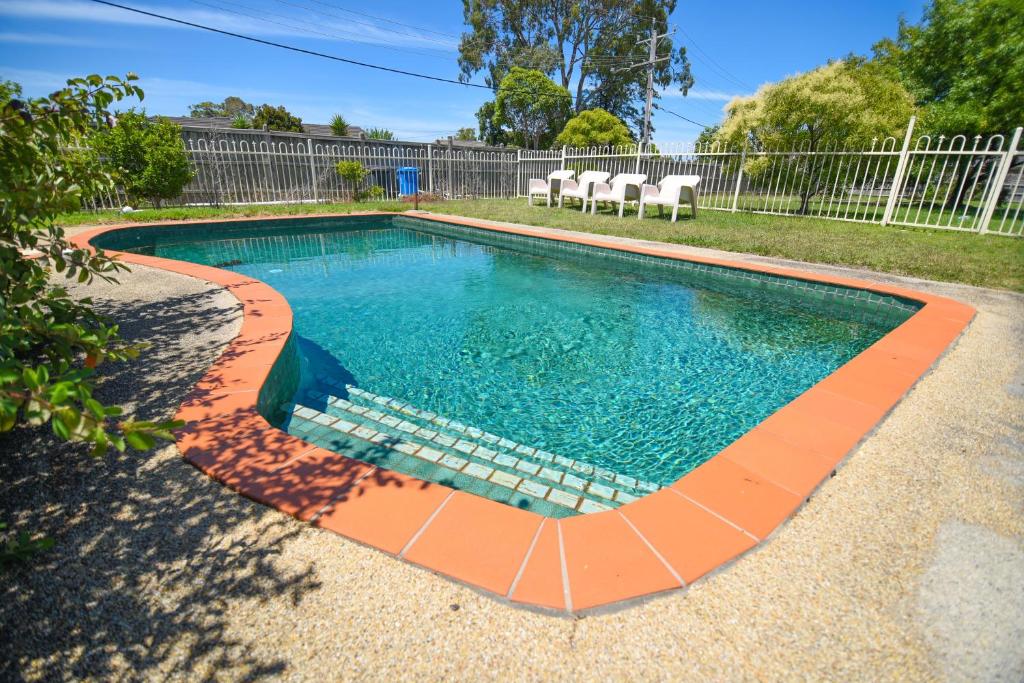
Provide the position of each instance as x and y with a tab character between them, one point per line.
958	183
234	168
955	183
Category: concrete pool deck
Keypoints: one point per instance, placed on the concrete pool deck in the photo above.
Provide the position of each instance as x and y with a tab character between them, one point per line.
865	580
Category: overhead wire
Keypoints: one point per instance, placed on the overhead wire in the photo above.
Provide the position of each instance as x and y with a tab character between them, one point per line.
316	53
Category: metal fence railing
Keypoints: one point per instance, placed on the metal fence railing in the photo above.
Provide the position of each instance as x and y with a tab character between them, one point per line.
957	183
945	183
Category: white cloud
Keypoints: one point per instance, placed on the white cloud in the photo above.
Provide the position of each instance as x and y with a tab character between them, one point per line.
700	94
46	39
315	25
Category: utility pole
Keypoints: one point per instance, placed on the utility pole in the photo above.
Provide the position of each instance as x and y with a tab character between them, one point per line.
652	59
650	82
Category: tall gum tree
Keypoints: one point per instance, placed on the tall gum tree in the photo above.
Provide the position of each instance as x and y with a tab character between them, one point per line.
586	46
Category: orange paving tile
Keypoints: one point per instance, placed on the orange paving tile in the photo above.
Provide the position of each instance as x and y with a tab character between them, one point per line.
607	561
304	486
822	403
541	582
461	541
748	500
203	404
690	539
793	468
822	436
384	510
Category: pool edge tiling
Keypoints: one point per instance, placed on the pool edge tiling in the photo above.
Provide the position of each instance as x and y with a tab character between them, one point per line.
663	541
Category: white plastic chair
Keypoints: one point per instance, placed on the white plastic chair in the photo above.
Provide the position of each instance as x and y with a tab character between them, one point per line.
581	189
538	187
672	190
623	188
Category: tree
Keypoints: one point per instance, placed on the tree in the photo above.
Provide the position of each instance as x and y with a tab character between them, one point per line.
594	128
50	342
276	118
145	156
380	134
964	65
843	103
8	91
707	137
465	134
489	132
339	126
231	107
531	105
354	173
587	45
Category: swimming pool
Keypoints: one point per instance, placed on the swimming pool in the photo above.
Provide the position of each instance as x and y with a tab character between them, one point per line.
554	377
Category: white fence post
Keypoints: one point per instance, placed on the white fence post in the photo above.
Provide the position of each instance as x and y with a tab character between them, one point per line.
1000	180
430	168
519	170
639	151
901	170
739	178
312	168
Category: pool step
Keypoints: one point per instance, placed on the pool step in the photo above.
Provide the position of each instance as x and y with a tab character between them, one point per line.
455	429
383	434
548	476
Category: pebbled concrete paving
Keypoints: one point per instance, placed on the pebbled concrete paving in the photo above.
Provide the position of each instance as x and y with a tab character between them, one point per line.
905	566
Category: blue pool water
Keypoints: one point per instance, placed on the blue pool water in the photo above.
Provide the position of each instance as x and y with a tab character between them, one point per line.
627	366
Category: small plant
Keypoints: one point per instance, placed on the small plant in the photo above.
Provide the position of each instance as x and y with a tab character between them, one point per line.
240	121
339	126
380	134
146	157
353	173
374	194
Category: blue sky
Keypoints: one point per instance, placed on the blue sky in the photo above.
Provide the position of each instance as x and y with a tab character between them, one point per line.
733	46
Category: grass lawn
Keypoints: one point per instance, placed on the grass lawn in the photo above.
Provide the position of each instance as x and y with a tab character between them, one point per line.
988	261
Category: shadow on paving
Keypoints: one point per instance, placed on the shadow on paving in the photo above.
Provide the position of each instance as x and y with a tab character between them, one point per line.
149	551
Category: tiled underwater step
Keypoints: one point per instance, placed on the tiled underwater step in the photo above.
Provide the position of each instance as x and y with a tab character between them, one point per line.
547	461
565	487
453	461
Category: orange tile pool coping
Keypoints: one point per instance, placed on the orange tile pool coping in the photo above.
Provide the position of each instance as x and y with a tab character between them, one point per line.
663	541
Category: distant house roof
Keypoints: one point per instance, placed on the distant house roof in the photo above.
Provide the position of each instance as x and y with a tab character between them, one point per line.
318	129
462	143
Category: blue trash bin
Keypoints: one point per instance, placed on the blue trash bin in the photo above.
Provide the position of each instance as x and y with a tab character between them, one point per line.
408	180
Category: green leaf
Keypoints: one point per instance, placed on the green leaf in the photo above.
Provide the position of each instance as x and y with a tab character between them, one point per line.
140	441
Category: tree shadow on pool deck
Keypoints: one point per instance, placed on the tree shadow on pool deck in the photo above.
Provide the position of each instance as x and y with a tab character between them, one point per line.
151	555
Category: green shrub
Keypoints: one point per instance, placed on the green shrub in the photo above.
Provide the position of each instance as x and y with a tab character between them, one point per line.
380	134
354	173
276	118
49	341
374	194
594	128
146	157
339	126
240	121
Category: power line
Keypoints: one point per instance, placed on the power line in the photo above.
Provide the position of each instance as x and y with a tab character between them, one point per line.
712	63
324	55
680	116
292	48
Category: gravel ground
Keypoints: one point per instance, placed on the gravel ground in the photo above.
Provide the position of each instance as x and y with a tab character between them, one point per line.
907	565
